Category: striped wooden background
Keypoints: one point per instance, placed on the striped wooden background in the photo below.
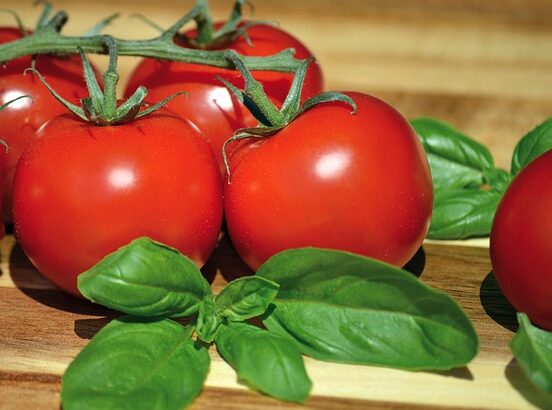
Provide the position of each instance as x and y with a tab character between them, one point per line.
484	66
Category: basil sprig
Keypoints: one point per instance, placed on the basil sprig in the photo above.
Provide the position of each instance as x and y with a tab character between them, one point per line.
467	185
137	363
342	307
532	348
468	211
456	160
328	304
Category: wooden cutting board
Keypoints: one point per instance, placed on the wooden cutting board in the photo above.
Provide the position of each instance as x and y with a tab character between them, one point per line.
484	66
42	329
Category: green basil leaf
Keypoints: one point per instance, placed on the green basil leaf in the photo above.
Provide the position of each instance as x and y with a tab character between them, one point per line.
463	213
533	144
532	348
343	307
146	278
455	159
246	297
208	321
264	361
135	364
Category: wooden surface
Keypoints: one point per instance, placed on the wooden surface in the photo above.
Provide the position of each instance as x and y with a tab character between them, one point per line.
484	66
42	329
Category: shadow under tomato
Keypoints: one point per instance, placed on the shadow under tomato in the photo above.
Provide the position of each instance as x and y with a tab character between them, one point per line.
525	387
495	303
225	261
416	264
29	281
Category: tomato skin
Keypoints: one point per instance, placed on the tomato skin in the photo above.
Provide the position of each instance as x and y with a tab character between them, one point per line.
330	179
21	119
521	241
82	191
210	105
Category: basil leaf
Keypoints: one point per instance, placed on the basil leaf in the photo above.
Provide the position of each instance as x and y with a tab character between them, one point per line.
532	348
533	144
146	278
136	363
463	213
455	159
264	361
246	297
208	321
343	307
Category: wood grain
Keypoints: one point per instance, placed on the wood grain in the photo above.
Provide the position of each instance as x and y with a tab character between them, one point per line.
484	66
42	330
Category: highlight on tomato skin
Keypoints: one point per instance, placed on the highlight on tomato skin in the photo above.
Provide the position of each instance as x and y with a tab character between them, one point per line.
22	119
155	177
210	105
331	179
521	242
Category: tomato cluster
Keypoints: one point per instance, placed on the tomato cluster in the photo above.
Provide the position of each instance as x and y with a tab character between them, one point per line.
331	178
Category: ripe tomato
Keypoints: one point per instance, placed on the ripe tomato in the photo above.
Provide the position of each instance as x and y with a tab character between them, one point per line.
81	191
21	119
211	106
331	179
521	241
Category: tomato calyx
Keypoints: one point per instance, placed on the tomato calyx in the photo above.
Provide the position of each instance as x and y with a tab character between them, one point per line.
271	118
209	37
101	107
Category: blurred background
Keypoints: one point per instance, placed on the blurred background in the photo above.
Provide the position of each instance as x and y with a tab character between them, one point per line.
484	66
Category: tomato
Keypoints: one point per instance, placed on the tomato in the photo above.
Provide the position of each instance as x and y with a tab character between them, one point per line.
521	241
211	106
21	119
81	191
331	179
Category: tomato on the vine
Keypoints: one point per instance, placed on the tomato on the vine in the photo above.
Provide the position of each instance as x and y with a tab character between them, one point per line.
521	241
211	106
22	119
81	191
331	179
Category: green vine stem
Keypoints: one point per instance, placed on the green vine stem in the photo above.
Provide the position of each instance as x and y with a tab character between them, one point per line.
271	119
47	39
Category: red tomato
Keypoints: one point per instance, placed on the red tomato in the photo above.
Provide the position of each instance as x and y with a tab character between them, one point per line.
521	241
21	119
81	191
211	106
331	179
